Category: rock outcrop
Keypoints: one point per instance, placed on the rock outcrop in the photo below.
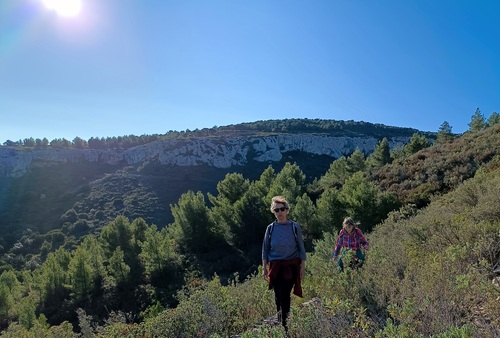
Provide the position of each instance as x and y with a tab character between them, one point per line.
216	152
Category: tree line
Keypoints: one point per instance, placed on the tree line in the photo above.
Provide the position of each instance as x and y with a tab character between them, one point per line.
351	128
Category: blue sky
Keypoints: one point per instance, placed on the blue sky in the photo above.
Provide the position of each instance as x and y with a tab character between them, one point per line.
124	67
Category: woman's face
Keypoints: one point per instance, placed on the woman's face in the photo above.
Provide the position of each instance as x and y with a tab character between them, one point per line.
280	211
349	228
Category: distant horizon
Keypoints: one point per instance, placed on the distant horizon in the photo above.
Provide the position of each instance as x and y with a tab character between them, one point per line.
218	126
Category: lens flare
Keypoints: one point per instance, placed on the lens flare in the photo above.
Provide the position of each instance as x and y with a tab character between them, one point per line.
64	7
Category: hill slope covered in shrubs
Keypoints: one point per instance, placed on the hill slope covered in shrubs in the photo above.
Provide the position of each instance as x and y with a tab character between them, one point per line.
430	271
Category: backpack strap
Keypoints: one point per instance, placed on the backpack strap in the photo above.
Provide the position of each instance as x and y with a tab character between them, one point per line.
295	231
271	228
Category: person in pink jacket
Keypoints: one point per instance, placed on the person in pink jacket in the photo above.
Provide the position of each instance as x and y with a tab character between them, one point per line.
350	238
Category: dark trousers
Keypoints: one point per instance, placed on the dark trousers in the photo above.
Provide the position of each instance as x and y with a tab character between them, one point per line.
282	290
357	262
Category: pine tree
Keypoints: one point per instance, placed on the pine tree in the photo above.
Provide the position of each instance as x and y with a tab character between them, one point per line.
360	198
356	162
156	250
192	224
493	119
232	187
289	182
444	134
52	278
329	213
477	122
6	304
119	233
118	268
27	315
304	213
253	212
81	275
335	175
417	143
381	155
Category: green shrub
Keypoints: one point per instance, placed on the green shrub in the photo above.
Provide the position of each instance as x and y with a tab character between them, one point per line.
397	331
330	318
209	310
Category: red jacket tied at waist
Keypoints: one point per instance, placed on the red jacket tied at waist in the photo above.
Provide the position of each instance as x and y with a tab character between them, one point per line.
288	269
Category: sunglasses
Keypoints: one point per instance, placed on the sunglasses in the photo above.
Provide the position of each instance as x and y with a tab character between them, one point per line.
280	209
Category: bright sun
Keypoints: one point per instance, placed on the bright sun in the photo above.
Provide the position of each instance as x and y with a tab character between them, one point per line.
64	7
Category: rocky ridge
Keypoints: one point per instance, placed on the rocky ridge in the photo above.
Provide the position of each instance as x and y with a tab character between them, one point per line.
219	152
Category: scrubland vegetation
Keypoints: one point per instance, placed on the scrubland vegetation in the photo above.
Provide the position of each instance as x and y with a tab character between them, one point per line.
435	253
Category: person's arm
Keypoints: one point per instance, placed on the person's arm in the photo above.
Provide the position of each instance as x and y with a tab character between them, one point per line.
265	254
302	269
302	251
265	273
362	240
300	243
338	246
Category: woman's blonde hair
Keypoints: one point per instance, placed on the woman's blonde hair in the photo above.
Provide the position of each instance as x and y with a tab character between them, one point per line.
279	199
347	222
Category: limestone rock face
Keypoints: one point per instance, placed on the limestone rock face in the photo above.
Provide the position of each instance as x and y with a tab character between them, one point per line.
216	152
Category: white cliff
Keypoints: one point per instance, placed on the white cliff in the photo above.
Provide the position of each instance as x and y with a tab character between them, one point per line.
217	152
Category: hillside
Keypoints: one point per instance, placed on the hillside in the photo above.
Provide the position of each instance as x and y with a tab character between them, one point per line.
79	190
432	270
439	169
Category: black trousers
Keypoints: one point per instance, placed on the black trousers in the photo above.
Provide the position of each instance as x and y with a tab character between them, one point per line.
282	296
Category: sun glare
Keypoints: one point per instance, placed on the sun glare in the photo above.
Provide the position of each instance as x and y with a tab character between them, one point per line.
64	7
